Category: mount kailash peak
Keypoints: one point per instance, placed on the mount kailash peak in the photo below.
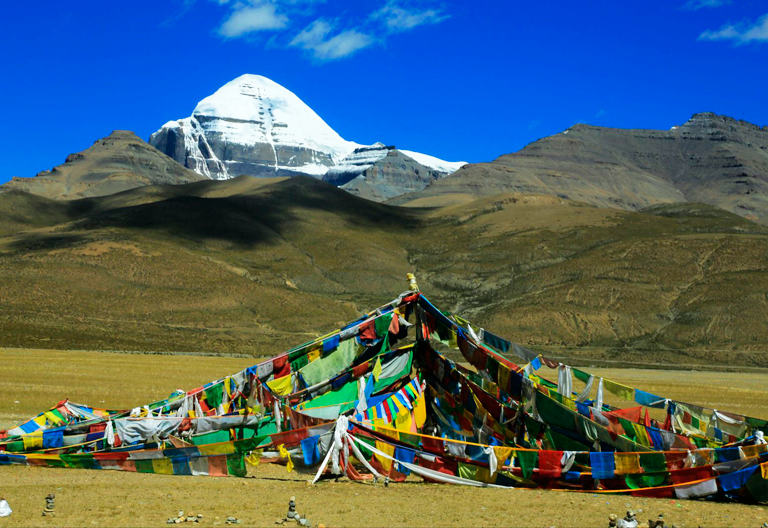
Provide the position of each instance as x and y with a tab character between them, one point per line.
254	126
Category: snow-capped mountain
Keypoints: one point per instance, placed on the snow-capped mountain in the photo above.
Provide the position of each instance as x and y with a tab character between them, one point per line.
254	126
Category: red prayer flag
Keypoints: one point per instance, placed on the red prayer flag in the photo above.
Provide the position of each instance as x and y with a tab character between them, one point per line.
549	464
368	330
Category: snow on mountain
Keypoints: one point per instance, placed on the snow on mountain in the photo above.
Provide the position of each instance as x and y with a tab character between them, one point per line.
360	160
253	109
252	125
432	162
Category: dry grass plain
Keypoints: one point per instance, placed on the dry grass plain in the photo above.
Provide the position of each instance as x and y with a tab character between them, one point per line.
38	379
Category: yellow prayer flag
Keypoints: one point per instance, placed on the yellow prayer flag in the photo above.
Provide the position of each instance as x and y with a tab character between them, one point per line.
314	354
764	470
377	369
622	391
642	434
224	448
281	386
33	441
503	376
162	466
627	463
285	454
385	462
452	340
403	421
502	454
420	411
52	418
255	457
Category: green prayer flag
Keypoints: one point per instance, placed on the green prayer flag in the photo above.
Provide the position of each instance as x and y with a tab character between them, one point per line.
15	447
467	471
382	324
298	363
79	461
345	394
214	395
214	437
643	480
758	487
553	413
236	465
528	461
653	462
144	466
327	367
581	375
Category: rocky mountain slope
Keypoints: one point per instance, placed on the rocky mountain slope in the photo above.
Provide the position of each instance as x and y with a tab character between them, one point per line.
711	159
116	163
379	173
256	265
253	126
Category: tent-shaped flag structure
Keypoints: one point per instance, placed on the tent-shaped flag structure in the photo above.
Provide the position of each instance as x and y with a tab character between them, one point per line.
410	391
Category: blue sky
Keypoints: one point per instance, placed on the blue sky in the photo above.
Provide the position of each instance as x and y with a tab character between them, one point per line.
455	79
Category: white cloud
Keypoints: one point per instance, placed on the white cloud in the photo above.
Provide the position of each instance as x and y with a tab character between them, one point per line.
397	19
314	38
695	5
329	37
249	18
740	33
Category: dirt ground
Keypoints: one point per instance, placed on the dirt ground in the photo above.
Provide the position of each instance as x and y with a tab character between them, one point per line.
38	379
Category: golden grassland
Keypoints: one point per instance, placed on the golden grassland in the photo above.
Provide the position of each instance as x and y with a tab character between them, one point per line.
37	379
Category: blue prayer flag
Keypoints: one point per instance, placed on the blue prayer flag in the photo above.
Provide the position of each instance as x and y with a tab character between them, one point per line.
649	400
403	454
737	479
311	451
603	465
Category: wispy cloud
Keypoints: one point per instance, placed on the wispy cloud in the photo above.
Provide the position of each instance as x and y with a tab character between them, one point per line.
742	33
333	34
246	19
695	5
397	18
315	38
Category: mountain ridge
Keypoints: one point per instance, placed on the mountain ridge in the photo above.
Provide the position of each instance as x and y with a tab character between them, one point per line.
118	162
710	158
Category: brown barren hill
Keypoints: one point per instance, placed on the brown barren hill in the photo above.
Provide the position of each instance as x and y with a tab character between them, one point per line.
710	159
116	163
256	266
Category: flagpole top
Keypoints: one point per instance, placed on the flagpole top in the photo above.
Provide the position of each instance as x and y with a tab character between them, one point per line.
412	282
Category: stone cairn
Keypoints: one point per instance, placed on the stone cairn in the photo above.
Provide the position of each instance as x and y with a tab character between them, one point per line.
630	521
293	515
180	518
50	506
